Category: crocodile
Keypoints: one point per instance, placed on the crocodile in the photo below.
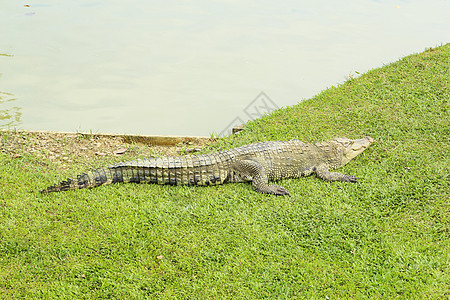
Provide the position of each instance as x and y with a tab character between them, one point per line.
258	163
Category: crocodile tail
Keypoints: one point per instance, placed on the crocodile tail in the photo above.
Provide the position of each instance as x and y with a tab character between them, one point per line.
65	185
90	179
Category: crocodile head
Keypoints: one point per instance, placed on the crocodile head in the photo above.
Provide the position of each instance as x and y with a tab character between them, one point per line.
351	148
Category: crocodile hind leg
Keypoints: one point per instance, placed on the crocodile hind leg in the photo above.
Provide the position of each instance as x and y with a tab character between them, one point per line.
252	170
326	175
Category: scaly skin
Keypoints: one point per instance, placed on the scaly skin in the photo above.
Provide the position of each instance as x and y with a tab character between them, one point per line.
258	163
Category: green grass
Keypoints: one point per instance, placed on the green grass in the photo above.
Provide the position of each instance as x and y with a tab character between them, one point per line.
384	237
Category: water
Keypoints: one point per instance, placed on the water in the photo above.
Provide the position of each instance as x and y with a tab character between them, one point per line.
192	68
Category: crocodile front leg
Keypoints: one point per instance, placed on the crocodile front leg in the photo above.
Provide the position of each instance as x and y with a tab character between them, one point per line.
322	172
252	170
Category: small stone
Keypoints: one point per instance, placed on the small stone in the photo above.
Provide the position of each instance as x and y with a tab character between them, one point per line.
120	151
192	150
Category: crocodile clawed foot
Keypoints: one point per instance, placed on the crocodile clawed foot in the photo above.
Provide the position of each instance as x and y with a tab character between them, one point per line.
279	190
350	178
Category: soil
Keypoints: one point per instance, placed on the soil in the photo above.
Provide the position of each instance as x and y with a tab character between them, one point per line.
66	149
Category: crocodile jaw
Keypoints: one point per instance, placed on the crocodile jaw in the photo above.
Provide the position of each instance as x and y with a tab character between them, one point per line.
353	147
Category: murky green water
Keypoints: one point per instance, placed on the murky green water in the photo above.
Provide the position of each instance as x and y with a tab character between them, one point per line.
192	68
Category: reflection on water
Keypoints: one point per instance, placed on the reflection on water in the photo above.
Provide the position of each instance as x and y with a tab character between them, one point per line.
10	115
191	68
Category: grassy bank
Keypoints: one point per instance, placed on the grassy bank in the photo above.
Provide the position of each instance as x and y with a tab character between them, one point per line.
385	237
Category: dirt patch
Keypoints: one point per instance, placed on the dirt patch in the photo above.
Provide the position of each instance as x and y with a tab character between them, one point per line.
67	149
